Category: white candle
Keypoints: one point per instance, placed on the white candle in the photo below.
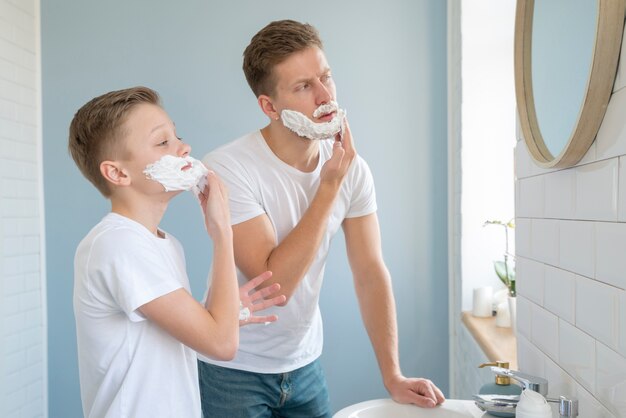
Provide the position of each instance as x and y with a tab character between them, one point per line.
482	301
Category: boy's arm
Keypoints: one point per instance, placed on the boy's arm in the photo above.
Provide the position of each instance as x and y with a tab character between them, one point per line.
256	249
373	288
214	329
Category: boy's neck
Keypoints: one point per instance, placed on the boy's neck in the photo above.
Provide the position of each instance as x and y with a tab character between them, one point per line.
300	153
147	213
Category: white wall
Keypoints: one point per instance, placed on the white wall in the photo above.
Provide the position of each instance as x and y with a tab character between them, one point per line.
22	309
488	132
571	249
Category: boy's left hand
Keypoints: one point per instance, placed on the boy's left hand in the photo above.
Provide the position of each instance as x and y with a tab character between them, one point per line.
247	299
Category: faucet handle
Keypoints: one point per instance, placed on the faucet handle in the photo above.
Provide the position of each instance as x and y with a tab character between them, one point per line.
567	407
534	383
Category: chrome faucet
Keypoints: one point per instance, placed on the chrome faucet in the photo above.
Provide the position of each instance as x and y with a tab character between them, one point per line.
534	383
567	407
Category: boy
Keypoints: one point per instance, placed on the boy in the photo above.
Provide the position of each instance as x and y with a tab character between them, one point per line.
292	185
138	327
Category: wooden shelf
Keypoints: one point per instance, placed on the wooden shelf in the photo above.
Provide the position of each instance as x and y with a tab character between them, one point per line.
498	344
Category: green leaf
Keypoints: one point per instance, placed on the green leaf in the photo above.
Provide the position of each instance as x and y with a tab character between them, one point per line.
504	275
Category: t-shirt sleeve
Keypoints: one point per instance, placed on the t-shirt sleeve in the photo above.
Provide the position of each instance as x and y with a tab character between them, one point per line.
127	271
245	203
363	200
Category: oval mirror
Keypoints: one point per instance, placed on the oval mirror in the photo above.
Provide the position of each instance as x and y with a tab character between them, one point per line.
566	55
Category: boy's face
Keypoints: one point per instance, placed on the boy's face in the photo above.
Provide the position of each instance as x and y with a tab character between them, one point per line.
304	82
150	134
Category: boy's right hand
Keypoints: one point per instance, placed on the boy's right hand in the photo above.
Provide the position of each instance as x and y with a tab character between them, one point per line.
214	203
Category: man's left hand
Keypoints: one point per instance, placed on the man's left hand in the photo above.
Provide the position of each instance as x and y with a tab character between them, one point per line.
418	391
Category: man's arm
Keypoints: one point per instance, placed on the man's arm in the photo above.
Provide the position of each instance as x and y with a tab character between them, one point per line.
256	249
373	289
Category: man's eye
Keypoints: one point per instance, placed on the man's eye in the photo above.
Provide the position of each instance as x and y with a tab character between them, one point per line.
179	138
163	142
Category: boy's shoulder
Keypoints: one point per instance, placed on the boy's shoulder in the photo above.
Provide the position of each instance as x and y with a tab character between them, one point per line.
114	236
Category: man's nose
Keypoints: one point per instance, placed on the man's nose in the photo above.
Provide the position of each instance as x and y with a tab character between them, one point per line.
323	94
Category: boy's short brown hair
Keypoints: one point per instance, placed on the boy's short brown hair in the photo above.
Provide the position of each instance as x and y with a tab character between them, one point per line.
96	130
271	46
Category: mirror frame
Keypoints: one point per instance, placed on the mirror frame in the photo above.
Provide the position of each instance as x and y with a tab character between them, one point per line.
603	70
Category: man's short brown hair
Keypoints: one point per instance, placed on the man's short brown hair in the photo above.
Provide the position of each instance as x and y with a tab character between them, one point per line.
96	131
271	46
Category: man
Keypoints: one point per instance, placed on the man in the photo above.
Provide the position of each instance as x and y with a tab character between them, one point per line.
292	185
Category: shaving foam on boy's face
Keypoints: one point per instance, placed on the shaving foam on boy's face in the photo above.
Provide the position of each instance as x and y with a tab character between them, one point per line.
177	173
306	128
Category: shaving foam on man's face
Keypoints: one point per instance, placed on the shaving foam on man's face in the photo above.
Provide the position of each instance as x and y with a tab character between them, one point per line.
177	173
306	128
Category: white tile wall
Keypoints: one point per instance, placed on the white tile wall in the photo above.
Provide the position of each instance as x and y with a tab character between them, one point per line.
531	197
560	193
584	292
559	291
545	331
545	241
610	250
532	285
576	247
611	139
22	342
524	317
577	354
611	379
596	191
596	310
621	320
523	245
621	198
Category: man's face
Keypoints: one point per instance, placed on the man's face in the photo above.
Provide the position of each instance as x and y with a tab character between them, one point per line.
304	82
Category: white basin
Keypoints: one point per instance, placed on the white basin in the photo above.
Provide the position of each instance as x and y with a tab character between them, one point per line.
387	408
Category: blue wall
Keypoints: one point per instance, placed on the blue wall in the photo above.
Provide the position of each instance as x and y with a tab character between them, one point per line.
389	63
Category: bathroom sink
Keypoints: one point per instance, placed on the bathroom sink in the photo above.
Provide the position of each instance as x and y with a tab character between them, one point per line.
386	408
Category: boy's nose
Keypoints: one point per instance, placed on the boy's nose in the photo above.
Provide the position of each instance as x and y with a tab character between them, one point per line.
185	149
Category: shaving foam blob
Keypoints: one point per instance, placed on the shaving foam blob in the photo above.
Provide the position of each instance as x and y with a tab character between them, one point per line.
306	128
244	312
168	171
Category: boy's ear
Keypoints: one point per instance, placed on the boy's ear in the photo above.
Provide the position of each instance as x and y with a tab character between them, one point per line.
114	173
265	102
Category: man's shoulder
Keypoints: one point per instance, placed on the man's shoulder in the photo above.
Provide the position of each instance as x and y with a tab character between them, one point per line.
235	149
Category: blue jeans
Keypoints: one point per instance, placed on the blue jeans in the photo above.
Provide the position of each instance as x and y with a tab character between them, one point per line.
231	393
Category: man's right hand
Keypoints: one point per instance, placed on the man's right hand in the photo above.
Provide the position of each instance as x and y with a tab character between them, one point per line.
335	169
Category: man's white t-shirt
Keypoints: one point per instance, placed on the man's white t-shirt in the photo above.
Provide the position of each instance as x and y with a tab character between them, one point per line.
128	366
260	183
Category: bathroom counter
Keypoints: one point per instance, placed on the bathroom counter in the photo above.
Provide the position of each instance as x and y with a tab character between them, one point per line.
497	343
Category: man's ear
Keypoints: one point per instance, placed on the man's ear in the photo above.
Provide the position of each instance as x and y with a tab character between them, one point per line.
114	173
265	102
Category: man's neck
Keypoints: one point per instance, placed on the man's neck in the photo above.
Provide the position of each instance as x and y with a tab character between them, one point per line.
300	153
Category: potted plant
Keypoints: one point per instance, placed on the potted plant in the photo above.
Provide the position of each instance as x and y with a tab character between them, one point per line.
505	269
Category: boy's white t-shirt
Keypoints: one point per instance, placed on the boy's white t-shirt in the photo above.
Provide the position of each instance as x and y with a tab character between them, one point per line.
260	183
128	366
